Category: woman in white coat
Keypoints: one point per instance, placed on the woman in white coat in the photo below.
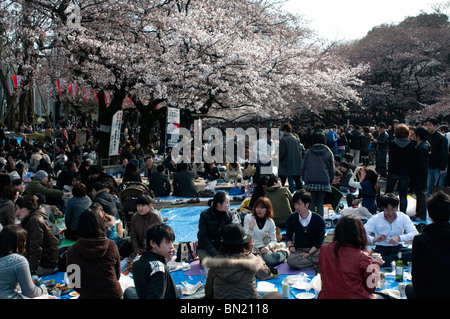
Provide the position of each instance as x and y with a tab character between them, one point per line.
260	225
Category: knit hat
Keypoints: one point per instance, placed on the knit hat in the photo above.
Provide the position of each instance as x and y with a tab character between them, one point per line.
234	234
40	175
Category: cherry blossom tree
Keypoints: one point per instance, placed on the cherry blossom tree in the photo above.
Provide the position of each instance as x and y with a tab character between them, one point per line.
227	59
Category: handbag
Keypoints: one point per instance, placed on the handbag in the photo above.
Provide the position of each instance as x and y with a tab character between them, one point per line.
445	189
186	251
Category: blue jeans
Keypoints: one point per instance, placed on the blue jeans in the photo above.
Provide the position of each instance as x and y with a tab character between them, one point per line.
274	258
433	176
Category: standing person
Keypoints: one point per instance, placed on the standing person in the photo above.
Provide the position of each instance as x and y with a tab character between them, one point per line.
437	168
346	267
141	221
332	139
341	142
42	245
305	232
151	275
260	226
381	143
318	171
14	268
389	229
431	252
355	138
232	272
97	257
420	172
365	146
401	155
211	223
290	158
281	200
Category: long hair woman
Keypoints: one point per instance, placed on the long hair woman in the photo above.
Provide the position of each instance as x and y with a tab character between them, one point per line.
369	188
347	270
260	225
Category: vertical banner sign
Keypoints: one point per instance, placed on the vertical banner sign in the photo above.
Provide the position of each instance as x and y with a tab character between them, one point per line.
114	140
173	124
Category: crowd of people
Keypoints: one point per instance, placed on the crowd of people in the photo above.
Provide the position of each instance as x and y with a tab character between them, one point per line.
313	162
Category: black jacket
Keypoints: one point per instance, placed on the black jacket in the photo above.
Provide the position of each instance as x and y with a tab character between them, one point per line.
401	156
152	278
42	245
355	138
104	198
420	165
439	151
431	260
210	227
160	184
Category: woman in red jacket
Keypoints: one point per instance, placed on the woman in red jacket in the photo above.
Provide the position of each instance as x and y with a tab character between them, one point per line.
347	270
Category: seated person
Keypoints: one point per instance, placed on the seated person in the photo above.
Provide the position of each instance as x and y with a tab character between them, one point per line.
122	168
337	178
141	221
344	168
183	182
159	182
151	275
131	174
233	173
211	172
389	229
281	199
305	232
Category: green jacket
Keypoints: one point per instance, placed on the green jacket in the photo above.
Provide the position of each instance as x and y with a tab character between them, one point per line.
35	186
281	199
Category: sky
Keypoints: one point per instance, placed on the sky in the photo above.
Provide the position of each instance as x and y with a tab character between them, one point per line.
352	19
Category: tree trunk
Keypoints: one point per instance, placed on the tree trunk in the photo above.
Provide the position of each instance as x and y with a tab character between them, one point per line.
105	115
149	117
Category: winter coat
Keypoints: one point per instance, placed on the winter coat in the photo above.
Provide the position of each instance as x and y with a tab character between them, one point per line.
401	156
431	257
35	186
355	138
42	245
210	227
290	156
7	212
99	264
183	184
106	200
75	206
139	225
439	151
160	184
281	199
318	168
233	277
420	165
